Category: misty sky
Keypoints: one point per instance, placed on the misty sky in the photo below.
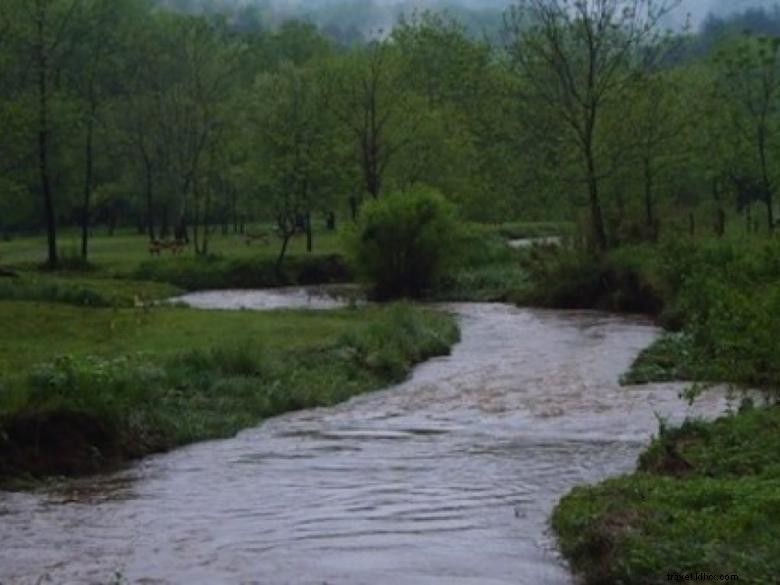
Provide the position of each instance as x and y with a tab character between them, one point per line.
697	8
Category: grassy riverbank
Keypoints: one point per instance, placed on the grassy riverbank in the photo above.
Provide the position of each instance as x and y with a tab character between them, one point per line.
87	389
705	497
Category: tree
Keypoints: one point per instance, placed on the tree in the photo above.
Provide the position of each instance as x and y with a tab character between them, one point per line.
656	120
42	31
367	95
93	76
296	150
578	58
750	81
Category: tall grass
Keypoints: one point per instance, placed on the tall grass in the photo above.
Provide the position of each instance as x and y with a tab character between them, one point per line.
216	272
91	411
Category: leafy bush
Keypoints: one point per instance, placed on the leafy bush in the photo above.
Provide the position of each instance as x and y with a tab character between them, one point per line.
403	242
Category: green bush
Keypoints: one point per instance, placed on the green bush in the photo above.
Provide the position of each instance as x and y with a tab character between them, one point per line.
404	242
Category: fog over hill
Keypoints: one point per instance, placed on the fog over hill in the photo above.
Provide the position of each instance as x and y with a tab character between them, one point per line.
348	20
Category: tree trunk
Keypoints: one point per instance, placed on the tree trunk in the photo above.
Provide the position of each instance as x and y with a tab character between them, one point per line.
282	252
649	218
765	179
309	237
597	218
195	237
112	221
353	207
720	223
148	188
165	228
43	136
88	174
206	212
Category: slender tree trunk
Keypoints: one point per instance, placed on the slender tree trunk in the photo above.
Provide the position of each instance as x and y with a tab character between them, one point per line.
353	208
206	212
196	237
309	236
165	228
148	188
597	218
720	223
765	179
649	219
234	210
282	253
43	135
88	175
113	219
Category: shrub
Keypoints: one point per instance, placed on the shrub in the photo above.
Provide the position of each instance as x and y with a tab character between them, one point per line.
404	242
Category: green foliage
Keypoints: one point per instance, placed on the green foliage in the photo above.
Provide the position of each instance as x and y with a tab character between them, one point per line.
405	241
487	269
391	346
89	411
724	296
706	500
82	291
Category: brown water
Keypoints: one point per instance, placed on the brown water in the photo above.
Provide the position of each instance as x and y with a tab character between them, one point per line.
447	479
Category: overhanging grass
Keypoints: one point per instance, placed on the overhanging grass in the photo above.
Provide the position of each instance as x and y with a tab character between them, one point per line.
86	291
218	272
127	383
706	500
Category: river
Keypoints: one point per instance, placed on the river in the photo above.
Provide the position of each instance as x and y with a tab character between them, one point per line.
446	479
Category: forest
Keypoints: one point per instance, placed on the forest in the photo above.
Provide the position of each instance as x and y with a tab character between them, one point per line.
546	159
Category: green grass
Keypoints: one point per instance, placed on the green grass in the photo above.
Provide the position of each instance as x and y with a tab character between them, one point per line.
245	272
671	358
487	269
82	289
706	499
85	389
121	254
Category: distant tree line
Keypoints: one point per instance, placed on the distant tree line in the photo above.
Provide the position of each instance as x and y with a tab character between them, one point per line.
126	113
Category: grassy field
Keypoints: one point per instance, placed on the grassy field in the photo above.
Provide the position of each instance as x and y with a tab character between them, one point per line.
121	254
85	389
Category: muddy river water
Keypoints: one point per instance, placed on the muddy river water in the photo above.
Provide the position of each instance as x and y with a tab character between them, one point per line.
446	479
